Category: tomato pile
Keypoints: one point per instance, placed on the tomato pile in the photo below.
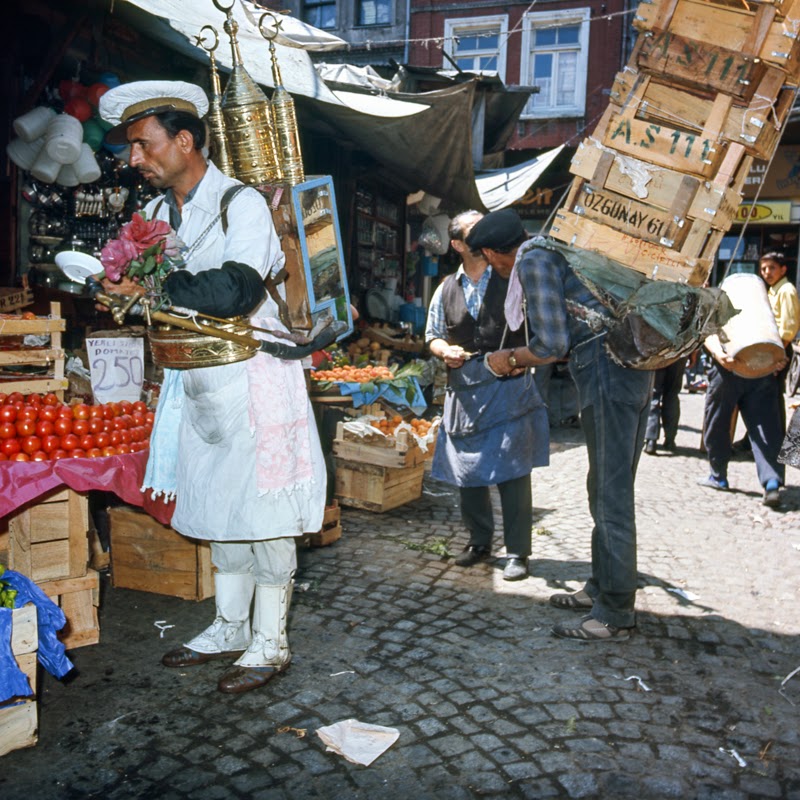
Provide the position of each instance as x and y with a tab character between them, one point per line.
352	374
39	427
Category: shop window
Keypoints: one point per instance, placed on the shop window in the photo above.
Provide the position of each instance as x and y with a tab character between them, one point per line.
477	44
555	57
374	12
320	13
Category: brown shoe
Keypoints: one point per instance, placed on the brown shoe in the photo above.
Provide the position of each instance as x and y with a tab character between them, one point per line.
242	679
186	657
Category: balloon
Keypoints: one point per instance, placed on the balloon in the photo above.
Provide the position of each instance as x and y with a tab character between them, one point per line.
96	91
110	79
71	89
93	134
78	108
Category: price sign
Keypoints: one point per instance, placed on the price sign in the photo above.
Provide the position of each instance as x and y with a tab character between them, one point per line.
117	368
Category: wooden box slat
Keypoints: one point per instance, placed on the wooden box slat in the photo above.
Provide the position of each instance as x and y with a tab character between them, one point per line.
331	530
151	557
78	598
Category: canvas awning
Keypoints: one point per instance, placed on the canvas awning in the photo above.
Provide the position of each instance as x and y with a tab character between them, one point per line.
499	188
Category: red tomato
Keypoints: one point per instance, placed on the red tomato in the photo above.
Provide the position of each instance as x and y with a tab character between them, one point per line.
94	452
108	425
125	407
126	437
3	396
62	426
51	443
3	457
10	446
26	427
122	449
34	399
30	444
95	425
128	420
108	412
95	412
58	454
48	413
69	441
77	453
20	457
80	411
28	412
65	412
39	455
109	451
150	417
140	406
8	413
87	442
15	397
102	439
116	437
44	428
8	430
50	399
80	426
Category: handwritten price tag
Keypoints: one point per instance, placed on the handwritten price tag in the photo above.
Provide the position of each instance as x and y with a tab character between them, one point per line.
117	368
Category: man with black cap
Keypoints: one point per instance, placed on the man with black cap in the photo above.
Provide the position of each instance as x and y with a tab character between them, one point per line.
564	318
494	430
235	444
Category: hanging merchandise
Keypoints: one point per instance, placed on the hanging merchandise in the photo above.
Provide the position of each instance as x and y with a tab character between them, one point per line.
248	119
434	236
283	114
220	152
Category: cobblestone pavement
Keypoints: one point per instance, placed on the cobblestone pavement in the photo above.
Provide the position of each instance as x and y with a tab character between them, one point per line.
487	702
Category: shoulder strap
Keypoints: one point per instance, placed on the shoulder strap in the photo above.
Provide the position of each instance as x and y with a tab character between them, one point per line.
227	199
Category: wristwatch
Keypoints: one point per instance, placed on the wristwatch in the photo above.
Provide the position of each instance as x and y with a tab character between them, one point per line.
512	361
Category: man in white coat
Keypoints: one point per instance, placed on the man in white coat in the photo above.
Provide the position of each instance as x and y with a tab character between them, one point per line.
235	444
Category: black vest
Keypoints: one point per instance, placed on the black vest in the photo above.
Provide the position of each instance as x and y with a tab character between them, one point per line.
482	335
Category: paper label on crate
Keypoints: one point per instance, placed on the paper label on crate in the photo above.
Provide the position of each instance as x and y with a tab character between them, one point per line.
117	368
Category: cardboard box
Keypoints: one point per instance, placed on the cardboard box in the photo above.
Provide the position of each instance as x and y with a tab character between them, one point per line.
151	557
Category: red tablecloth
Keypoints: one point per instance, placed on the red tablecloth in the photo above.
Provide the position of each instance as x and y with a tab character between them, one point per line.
24	481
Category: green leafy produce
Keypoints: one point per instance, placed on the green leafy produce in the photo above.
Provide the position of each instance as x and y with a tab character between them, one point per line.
7	594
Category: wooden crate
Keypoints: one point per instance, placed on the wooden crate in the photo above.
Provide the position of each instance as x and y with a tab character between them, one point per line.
17	355
13	299
78	598
19	718
386	451
376	488
675	198
758	30
151	557
656	100
331	530
655	261
706	66
47	539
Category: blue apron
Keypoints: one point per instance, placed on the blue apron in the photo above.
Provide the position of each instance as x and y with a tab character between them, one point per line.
493	429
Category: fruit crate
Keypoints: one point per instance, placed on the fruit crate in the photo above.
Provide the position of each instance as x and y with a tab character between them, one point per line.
78	598
12	299
14	355
151	557
19	716
331	530
376	488
47	539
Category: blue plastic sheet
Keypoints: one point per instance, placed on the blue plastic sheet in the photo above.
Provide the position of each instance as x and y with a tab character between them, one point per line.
387	392
50	619
13	681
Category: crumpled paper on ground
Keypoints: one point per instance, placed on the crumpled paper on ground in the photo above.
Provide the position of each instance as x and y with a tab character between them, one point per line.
358	742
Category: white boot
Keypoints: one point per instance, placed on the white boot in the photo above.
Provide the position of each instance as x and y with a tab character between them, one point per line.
270	644
268	653
230	630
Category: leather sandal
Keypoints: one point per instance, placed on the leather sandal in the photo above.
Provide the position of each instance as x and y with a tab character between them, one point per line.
242	679
590	629
573	601
186	657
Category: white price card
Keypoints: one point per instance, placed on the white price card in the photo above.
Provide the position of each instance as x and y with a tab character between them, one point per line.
117	368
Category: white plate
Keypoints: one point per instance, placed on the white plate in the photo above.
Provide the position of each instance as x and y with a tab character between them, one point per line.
78	266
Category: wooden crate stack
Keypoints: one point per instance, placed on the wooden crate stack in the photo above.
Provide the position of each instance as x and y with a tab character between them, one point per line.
15	354
707	89
378	473
151	557
331	530
19	716
47	541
